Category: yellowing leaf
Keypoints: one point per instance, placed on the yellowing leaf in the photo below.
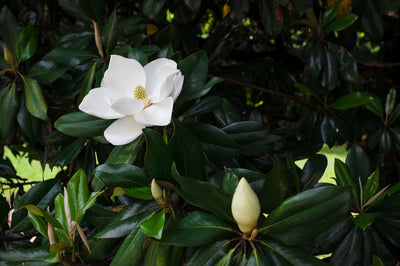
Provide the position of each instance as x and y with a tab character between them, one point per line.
225	10
343	6
151	29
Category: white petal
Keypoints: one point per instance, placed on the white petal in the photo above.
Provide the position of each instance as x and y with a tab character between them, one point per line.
123	131
158	114
98	103
178	83
160	75
127	106
124	75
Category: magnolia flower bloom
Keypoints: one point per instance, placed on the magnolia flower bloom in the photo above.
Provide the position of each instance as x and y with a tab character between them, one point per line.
245	206
134	95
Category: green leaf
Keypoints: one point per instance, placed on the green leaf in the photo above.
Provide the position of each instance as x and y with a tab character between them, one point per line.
226	114
26	44
349	251
330	72
230	182
385	142
275	187
351	100
345	178
204	106
364	220
80	124
35	102
203	90
121	175
139	193
132	25
153	227
209	254
314	56
23	255
376	261
87	83
203	194
226	260
375	105
307	214
258	258
152	7
216	143
65	57
283	255
359	164
313	170
78	194
245	132
194	68
195	229
187	152
126	154
166	51
39	224
163	255
139	56
110	32
8	110
10	31
131	249
69	153
158	159
307	91
390	103
371	186
329	14
341	23
347	66
28	123
84	10
45	72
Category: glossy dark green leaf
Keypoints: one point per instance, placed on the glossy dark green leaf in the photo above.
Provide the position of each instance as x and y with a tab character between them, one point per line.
46	72
153	227
208	255
351	100
371	20
258	258
246	131
329	14
78	40
8	110
65	57
390	102
69	153
152	7
313	170
194	68
275	187
158	159
371	186
385	141
35	102
328	130
226	114
130	218
216	143
227	259
131	249
280	254
167	51
359	164
349	251
24	255
39	224
196	229
193	4
345	178
84	10
341	23
375	105
87	83
26	44
314	57
132	25
28	123
347	66
267	12
80	124
230	182
187	152
203	194
139	193
204	106
10	31
330	73
99	249
163	255
125	154
376	261
121	175
203	90
364	220
307	214
78	193
139	56
4	209
110	32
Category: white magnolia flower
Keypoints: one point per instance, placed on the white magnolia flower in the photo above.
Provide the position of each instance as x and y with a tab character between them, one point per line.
134	95
245	206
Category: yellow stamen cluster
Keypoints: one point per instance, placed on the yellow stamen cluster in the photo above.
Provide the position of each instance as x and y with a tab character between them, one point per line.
140	94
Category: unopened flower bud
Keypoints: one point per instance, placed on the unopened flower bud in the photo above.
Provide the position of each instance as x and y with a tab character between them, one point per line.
97	38
157	192
245	206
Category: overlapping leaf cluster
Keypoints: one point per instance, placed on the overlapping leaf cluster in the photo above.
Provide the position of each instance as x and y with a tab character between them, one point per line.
265	83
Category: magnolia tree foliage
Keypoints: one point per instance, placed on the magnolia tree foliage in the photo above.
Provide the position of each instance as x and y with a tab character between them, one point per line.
176	125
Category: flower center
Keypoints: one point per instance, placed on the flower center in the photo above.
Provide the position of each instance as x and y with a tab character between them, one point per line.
140	94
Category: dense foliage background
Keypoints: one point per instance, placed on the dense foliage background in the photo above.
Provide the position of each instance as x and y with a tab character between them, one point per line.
266	83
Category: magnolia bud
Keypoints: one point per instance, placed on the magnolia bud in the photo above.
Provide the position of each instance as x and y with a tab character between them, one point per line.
157	192
245	206
97	38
